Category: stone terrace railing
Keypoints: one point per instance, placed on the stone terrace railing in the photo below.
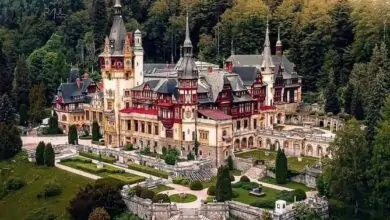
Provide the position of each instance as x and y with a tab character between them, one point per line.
290	134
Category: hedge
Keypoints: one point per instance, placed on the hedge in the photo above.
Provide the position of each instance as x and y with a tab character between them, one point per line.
96	157
80	160
181	181
196	185
266	204
85	137
148	170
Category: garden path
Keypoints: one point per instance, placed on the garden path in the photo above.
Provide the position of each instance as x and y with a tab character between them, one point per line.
78	172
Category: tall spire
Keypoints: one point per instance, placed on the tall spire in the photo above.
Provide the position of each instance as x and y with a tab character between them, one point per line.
267	57
118	7
187	46
279	46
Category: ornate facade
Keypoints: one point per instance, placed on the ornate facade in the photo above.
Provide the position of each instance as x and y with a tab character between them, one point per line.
159	105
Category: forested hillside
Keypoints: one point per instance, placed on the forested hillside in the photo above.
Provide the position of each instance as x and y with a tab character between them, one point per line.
325	38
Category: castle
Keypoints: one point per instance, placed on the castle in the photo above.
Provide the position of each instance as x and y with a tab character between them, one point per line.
159	105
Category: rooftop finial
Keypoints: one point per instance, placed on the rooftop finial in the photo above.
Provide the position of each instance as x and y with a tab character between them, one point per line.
279	32
267	42
187	42
117	7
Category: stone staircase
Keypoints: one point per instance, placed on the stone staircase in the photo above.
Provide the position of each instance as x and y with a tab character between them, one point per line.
201	174
188	214
256	172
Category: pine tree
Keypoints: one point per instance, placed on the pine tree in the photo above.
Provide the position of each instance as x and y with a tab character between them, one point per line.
230	162
21	82
23	115
39	153
99	21
223	186
49	155
348	95
95	131
380	165
10	141
331	99
357	109
5	73
7	113
72	135
281	167
37	103
53	125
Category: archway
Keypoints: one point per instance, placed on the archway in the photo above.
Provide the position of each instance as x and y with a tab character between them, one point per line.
279	118
259	142
285	144
244	143
277	144
319	151
109	139
309	150
268	144
250	142
237	145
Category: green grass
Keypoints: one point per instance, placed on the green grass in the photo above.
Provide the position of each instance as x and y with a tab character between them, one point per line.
97	157
148	170
245	197
293	162
211	182
188	198
161	188
20	204
235	172
106	171
291	185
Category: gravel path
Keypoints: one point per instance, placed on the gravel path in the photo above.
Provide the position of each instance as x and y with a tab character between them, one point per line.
78	172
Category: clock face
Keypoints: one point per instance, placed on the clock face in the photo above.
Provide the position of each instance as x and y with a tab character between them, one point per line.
188	114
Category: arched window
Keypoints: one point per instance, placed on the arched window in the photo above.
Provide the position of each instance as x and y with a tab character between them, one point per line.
63	118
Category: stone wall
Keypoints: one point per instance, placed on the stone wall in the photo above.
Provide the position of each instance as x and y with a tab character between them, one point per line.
244	212
243	164
215	211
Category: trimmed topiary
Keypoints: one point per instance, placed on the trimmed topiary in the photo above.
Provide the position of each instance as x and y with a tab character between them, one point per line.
39	151
211	191
14	184
299	194
50	190
196	185
244	179
147	194
49	155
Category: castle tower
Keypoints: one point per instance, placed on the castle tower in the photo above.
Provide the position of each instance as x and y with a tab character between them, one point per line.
188	84
138	58
118	75
268	68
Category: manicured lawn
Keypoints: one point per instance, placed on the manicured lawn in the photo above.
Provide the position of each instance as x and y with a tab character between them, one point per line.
106	171
98	157
293	162
20	204
245	197
292	185
186	199
161	188
211	182
148	170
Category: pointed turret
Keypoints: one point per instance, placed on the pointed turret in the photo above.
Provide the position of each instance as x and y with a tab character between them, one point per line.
118	31
279	45
267	57
187	46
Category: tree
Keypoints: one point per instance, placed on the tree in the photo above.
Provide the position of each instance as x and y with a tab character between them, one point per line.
380	165
223	186
348	95
99	214
99	21
21	83
304	212
5	73
196	148
102	194
23	115
95	131
39	153
349	151
190	156
230	162
37	103
331	97
72	135
53	124
10	141
48	155
281	167
170	158
7	113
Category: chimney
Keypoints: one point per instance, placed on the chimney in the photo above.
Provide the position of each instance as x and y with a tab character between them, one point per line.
78	82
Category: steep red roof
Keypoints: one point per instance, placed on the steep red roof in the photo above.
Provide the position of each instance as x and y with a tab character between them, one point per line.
139	111
215	114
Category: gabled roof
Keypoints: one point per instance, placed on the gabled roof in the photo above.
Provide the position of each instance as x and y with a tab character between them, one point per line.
247	74
71	90
214	114
235	82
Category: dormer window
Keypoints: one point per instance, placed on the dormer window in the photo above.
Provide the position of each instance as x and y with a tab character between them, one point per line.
262	69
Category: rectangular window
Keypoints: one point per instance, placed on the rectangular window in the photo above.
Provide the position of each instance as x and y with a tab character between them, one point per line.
87	115
128	122
245	123
136	125
127	105
238	125
169	133
183	136
142	127
100	117
156	129
254	123
149	128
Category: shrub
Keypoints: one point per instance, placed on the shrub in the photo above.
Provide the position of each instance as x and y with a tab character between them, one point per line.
181	181
39	151
244	179
299	194
95	131
190	156
109	181
164	151
49	155
50	190
230	163
145	151
14	184
231	176
72	135
249	185
211	191
170	158
148	170
128	147
196	185
138	190
41	214
96	157
147	194
99	214
267	204
164	198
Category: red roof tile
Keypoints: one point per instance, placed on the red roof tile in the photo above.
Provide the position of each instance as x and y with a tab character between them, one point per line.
215	114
